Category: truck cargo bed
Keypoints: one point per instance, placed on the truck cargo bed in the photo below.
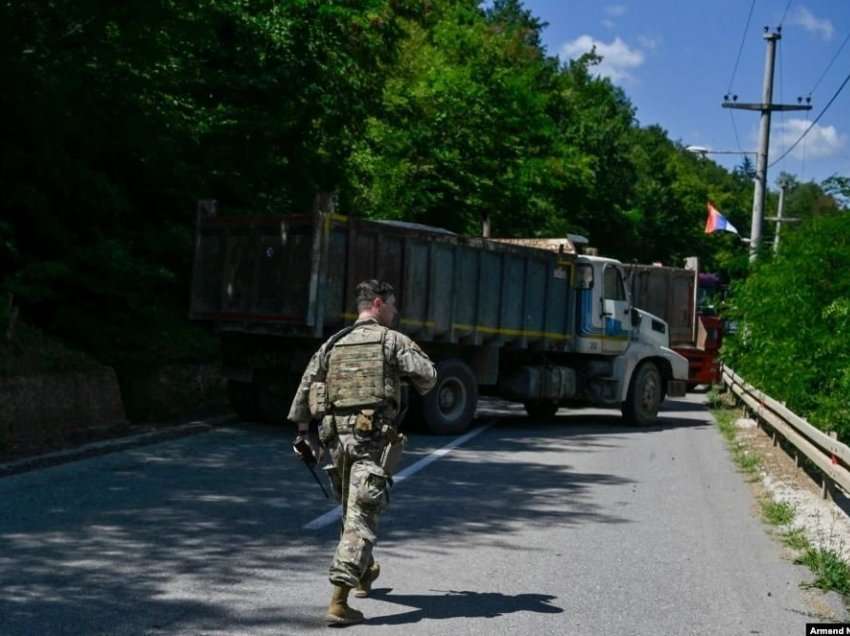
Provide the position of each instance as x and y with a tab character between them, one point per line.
295	275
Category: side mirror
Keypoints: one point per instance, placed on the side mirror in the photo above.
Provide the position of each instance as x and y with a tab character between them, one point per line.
635	317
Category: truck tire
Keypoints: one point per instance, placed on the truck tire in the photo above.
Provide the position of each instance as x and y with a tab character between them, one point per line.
449	407
244	400
644	396
541	410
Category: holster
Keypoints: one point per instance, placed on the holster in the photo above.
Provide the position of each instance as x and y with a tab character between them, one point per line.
391	455
335	480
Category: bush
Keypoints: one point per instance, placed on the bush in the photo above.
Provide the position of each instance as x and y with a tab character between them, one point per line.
794	317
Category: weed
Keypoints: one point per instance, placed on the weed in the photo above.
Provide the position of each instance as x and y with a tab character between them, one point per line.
831	573
748	461
796	539
777	513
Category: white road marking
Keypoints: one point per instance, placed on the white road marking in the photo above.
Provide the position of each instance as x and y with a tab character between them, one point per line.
332	516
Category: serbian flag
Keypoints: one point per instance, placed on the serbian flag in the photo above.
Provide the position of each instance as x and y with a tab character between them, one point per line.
716	222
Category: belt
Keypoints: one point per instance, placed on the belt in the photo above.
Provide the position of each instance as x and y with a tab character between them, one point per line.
344	423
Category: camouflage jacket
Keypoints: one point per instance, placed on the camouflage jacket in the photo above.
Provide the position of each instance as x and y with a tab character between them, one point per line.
402	355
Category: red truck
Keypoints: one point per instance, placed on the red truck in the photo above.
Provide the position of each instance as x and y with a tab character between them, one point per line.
682	297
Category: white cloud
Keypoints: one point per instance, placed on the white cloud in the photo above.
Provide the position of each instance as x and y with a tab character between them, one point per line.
647	42
821	142
806	19
618	58
609	24
616	10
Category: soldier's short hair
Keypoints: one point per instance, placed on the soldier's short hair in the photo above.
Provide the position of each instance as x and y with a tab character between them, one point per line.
369	290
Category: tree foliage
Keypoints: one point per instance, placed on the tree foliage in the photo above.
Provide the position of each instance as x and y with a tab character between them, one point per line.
122	115
793	314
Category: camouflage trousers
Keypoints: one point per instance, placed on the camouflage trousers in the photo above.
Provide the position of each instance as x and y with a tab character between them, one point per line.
364	494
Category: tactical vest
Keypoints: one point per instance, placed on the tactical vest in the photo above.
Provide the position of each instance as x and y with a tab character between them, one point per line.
358	376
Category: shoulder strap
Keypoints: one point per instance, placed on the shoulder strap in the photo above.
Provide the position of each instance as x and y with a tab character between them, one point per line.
323	363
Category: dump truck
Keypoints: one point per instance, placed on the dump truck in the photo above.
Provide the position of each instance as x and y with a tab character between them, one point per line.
679	296
536	324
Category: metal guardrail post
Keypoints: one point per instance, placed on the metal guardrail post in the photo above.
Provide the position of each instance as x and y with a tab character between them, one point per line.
830	456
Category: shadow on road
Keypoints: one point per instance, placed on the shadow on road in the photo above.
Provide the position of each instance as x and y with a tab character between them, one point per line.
174	536
460	604
673	414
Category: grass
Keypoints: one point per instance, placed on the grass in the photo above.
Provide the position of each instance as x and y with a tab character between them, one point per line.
830	571
777	513
796	539
725	416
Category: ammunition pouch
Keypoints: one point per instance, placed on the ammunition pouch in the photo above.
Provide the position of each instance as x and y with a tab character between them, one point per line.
317	400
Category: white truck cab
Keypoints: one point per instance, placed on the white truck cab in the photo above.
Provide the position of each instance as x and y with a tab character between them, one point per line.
608	325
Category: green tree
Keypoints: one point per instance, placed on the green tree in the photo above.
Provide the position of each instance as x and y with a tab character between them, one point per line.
464	132
123	114
838	187
794	321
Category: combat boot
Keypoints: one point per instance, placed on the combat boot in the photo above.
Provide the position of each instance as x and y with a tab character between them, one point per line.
339	613
365	586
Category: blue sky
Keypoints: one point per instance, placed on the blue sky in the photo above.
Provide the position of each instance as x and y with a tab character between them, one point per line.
675	61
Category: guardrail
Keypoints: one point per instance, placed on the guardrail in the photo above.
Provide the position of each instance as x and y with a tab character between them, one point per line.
829	455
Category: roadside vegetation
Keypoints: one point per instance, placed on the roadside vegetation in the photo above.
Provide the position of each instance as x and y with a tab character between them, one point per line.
725	415
439	111
793	324
831	572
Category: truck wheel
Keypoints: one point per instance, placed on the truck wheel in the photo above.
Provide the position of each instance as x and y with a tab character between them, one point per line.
644	396
449	407
244	400
540	410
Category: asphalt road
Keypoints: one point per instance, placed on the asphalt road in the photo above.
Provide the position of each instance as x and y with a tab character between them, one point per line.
578	525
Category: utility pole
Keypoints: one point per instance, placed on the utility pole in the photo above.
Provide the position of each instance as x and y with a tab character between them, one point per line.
783	184
766	107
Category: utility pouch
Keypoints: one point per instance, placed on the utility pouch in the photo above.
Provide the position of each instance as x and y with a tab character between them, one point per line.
364	421
327	430
317	399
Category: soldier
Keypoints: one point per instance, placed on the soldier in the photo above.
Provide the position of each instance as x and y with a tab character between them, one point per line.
353	384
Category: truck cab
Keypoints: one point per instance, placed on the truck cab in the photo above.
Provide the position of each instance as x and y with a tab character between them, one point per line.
609	325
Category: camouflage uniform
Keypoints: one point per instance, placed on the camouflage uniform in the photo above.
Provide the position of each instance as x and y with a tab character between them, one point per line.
354	450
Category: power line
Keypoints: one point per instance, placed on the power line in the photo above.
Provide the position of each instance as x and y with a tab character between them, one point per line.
735	128
787	6
812	125
741	47
829	66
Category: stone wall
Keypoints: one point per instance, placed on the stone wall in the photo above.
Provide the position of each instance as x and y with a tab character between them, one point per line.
50	410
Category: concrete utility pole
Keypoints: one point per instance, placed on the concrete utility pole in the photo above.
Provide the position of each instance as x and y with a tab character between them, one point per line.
765	107
778	218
